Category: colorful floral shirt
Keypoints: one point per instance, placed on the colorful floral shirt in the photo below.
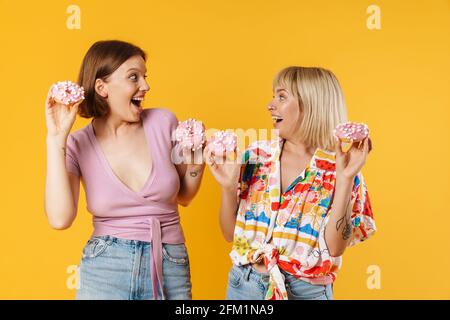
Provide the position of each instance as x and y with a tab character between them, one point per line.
286	230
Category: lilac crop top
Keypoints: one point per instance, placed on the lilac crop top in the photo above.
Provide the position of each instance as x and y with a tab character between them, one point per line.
150	214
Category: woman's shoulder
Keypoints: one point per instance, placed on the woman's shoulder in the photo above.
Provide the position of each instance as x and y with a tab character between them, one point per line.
79	136
157	114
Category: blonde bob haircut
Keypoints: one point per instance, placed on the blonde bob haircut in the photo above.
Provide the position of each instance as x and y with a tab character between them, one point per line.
320	99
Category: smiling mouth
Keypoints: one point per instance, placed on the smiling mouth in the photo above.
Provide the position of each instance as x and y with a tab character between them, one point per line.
276	119
137	101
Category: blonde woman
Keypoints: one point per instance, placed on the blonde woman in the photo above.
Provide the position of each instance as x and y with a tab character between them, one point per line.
302	200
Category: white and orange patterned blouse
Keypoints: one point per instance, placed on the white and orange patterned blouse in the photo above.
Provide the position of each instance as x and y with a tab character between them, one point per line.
286	230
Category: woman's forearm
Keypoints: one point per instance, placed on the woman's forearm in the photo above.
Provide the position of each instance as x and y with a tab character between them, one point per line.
190	184
338	230
59	201
228	208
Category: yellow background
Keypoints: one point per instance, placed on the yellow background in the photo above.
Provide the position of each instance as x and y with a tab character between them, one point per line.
215	60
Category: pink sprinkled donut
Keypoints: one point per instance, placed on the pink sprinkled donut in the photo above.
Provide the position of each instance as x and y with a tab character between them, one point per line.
67	92
351	132
222	142
191	134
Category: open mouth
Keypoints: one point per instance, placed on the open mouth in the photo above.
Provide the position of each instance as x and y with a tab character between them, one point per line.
276	119
137	101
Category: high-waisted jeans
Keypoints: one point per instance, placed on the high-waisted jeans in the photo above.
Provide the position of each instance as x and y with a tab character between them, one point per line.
119	269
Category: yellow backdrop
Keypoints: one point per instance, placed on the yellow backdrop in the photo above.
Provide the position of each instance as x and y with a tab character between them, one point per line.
215	60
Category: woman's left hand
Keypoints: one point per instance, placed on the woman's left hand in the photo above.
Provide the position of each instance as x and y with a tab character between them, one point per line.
350	163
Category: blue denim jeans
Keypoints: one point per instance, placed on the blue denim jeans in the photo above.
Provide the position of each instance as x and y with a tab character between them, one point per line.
119	269
245	283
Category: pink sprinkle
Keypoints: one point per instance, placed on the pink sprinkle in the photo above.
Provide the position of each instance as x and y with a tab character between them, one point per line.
67	92
351	130
222	142
191	134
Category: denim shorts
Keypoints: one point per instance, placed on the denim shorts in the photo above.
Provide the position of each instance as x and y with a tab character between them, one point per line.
119	269
245	283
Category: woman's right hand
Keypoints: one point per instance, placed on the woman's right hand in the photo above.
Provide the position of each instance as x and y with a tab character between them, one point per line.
226	169
59	117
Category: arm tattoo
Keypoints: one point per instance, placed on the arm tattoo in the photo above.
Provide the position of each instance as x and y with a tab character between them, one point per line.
339	223
64	150
347	230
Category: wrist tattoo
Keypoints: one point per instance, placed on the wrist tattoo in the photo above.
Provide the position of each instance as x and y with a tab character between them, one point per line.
64	150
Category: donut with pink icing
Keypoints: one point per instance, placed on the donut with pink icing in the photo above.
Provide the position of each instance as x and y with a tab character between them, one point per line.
222	142
67	92
191	134
351	132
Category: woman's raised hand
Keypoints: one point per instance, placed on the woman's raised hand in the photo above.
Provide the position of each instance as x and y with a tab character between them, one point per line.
59	117
349	163
226	169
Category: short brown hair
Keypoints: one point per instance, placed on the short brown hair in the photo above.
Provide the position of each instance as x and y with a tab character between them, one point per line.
100	61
